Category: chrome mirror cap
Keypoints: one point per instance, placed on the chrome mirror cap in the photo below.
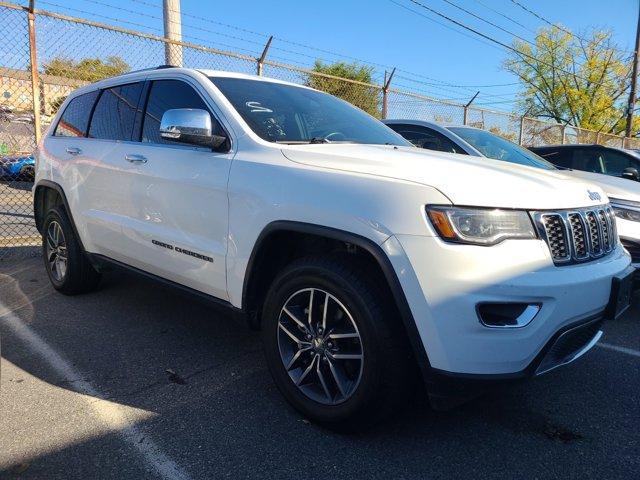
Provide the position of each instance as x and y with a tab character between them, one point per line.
187	125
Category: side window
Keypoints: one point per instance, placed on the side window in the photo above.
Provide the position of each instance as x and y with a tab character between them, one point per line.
561	157
588	160
165	95
423	137
75	118
616	162
115	112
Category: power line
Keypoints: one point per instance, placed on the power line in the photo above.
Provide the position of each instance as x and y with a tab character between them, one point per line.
468	12
507	17
498	42
557	25
264	35
522	39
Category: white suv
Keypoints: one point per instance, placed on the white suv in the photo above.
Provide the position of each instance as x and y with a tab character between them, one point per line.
357	255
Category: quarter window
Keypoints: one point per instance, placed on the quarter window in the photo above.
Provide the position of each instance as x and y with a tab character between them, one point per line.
75	118
115	113
166	95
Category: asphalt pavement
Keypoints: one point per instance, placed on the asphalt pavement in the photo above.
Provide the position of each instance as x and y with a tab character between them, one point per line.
138	381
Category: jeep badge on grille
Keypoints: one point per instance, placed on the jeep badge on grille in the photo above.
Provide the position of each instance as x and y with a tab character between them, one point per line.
594	195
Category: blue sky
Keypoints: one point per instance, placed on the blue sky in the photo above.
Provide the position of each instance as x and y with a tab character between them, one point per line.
378	31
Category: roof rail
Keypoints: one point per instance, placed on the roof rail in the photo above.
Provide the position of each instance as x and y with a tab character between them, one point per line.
159	67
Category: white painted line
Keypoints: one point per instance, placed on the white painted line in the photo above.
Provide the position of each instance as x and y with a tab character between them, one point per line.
112	415
616	348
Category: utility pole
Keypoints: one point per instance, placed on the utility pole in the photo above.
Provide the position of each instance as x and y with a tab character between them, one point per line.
172	31
634	79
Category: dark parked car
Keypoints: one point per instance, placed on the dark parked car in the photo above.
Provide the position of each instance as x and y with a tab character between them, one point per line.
618	162
20	168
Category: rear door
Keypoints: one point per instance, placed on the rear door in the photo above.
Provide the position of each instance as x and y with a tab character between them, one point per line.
176	223
105	176
73	157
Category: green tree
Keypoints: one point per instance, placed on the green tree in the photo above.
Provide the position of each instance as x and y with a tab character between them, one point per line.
363	96
578	80
87	69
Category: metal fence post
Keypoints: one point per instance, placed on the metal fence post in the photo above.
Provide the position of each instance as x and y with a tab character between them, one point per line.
521	133
33	66
598	138
260	60
466	108
385	93
564	134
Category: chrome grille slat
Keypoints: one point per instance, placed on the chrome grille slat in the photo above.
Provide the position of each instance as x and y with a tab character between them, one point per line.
578	235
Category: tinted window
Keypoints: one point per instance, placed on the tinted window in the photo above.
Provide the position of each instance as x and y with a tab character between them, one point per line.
291	114
588	160
166	95
115	113
562	157
616	162
496	147
75	119
424	137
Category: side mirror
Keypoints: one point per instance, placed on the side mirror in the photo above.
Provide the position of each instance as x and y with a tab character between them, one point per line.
190	125
631	173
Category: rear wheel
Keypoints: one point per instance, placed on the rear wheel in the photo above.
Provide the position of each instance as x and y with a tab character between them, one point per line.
68	268
334	348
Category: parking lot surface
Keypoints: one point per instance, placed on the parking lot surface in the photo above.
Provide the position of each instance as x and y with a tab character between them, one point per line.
138	381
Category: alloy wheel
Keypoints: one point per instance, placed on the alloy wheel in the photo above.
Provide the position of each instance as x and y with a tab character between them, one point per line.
56	249
320	346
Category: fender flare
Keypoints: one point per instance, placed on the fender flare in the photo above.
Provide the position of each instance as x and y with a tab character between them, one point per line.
367	245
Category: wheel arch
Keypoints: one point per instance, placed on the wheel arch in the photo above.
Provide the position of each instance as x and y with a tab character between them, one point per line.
49	194
274	232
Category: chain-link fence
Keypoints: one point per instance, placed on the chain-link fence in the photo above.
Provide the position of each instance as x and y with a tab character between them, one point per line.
44	56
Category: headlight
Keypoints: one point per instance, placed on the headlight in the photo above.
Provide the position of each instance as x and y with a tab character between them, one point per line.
480	226
626	209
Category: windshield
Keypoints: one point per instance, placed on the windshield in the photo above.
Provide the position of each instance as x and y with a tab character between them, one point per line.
289	114
493	146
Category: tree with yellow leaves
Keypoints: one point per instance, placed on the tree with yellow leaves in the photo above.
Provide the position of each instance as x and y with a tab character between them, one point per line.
576	80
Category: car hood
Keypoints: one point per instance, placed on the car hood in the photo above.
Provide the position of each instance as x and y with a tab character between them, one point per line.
614	187
464	179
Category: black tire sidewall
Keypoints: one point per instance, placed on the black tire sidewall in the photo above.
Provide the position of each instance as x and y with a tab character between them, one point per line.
316	276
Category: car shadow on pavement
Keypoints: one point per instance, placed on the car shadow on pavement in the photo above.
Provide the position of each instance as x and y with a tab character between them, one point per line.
198	381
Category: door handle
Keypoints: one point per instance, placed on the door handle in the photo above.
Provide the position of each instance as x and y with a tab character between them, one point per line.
133	158
73	151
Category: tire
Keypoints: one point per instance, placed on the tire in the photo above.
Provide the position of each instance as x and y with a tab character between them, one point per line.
27	174
75	275
371	388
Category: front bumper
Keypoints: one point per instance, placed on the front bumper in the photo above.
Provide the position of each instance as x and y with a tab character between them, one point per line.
444	283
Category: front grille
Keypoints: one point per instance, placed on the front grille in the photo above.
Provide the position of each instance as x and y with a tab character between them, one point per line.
633	248
577	235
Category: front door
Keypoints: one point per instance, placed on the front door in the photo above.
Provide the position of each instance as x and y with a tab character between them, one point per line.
177	227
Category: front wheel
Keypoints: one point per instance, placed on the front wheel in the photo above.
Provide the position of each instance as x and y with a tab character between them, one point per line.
334	348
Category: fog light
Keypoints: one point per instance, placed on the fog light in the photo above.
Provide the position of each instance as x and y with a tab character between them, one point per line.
507	315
